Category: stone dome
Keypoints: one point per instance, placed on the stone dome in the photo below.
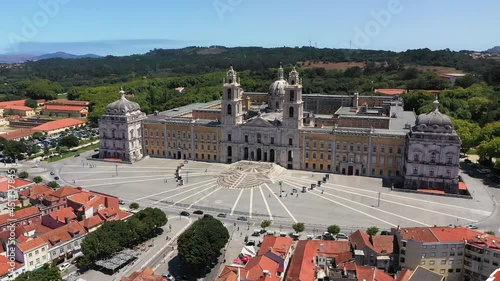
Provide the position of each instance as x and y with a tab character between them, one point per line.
434	118
122	106
278	87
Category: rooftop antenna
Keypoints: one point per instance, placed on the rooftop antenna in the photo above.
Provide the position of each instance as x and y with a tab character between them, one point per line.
316	45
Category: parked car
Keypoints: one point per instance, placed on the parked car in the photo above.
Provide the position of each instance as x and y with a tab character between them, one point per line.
221	215
77	155
168	276
472	226
342	236
205	216
121	202
185	213
56	178
242	218
64	266
198	212
52	173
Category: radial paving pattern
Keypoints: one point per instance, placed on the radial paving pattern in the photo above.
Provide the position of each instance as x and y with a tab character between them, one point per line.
253	190
247	174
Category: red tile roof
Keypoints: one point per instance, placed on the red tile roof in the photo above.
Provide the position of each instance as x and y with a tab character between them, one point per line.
442	234
302	266
64	108
92	222
21	133
462	186
435	191
5	266
63	234
36	191
18	107
65	191
403	275
390	92
381	243
58	124
146	274
15	183
280	245
257	265
20	214
230	273
63	214
369	273
4	104
31	244
495	276
111	212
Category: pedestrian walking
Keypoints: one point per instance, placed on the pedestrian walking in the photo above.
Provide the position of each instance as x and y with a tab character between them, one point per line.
170	227
238	228
322	191
241	233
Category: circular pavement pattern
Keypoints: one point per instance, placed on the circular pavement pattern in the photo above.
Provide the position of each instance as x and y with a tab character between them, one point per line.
253	190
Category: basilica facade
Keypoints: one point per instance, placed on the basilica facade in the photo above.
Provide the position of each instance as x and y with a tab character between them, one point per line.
345	134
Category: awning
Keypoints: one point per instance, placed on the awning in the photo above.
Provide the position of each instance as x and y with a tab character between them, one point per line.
462	186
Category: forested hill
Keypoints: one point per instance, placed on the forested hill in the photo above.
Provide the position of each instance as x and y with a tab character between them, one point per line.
199	60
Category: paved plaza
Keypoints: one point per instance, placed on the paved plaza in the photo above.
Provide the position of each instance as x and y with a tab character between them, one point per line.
253	190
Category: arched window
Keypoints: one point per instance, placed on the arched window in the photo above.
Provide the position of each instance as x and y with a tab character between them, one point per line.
229	110
290	112
433	157
229	94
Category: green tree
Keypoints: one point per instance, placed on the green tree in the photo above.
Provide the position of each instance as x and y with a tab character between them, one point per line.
265	224
134	206
201	244
490	232
47	272
15	149
31	103
53	184
470	134
417	99
334	229
23	175
488	150
372	230
37	179
491	130
37	135
298	227
43	89
69	141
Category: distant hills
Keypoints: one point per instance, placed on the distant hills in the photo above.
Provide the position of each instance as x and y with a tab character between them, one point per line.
495	49
20	58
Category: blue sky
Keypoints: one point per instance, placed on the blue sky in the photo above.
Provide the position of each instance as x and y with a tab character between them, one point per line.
121	27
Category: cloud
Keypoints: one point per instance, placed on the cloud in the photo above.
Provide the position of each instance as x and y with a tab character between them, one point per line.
101	47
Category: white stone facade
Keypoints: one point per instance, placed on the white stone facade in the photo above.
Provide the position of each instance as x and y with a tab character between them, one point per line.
120	131
432	153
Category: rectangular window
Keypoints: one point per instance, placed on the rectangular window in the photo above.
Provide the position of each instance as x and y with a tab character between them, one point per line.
272	140
246	138
228	137
321	157
431	262
374	148
290	141
292	95
307	165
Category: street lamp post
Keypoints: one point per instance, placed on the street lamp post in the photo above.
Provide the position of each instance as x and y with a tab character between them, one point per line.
281	187
378	203
116	170
187	177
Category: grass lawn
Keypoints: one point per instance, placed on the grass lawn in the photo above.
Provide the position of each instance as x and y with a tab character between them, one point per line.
73	153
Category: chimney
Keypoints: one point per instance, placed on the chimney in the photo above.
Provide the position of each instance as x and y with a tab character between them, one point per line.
321	247
66	220
270	249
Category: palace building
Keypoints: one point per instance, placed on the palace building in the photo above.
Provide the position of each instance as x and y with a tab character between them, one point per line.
344	134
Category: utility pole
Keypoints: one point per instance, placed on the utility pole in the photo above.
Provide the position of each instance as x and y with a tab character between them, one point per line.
187	177
378	203
116	170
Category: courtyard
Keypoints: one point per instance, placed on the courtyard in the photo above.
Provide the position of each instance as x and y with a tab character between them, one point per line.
253	189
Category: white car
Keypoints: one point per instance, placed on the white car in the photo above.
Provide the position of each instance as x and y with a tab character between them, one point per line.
64	266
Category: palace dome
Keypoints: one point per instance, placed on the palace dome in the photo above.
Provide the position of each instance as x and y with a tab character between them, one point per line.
122	106
434	117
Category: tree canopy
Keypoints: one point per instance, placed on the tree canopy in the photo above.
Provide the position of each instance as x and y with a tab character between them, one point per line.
334	229
48	272
201	244
69	141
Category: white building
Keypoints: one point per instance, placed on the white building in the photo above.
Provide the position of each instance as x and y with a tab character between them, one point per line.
33	253
432	153
120	131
